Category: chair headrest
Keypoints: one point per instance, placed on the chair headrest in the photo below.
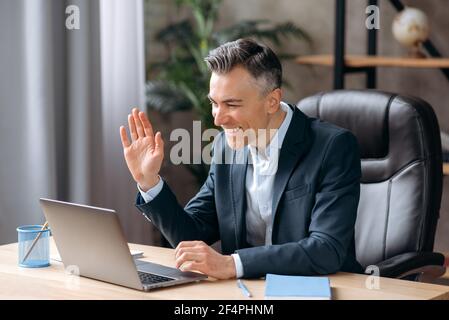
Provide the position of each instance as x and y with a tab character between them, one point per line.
389	128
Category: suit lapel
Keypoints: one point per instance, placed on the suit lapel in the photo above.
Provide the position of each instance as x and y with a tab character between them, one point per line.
296	143
238	201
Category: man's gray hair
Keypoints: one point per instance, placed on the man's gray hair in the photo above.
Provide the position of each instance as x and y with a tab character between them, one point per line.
259	60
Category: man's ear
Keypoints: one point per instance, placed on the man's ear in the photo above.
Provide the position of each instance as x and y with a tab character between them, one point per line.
274	99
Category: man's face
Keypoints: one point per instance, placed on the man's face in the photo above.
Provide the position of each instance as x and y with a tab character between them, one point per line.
239	106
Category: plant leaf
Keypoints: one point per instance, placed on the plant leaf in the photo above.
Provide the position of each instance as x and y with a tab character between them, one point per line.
261	29
166	97
180	33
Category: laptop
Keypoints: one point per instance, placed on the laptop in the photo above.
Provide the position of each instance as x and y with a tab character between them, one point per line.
90	240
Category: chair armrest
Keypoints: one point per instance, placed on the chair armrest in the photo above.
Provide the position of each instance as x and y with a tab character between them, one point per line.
429	264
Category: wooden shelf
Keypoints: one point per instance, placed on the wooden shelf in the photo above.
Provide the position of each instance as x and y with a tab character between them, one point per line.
446	168
375	61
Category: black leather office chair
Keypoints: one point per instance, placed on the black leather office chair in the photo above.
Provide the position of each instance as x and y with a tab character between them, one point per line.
401	183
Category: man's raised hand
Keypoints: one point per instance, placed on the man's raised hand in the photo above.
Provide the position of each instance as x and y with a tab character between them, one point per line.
145	152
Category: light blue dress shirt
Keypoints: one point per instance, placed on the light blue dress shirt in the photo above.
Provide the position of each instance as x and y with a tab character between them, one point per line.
260	174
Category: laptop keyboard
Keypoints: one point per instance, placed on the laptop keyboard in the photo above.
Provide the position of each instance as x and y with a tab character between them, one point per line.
149	278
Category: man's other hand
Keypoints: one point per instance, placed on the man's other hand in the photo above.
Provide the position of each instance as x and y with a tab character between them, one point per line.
198	256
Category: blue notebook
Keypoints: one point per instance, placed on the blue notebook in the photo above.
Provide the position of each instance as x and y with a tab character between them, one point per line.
297	287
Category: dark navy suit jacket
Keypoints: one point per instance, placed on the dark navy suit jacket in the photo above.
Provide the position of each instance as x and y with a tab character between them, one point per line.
315	198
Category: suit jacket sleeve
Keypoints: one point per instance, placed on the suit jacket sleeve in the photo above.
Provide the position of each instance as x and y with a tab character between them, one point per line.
332	223
197	221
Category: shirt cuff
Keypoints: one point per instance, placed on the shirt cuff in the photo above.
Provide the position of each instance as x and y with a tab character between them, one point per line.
153	192
238	265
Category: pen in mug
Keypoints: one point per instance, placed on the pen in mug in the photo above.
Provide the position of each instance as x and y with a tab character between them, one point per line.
35	241
244	288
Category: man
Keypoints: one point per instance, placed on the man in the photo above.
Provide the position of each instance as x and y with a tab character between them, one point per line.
288	208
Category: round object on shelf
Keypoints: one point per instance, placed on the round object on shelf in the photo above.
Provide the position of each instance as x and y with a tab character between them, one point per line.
411	28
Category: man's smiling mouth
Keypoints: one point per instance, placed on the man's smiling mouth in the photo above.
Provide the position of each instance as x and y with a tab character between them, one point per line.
233	130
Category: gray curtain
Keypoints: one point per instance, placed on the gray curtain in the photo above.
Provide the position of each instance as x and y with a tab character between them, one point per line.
63	95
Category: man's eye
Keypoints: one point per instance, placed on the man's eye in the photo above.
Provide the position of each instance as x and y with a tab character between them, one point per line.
233	105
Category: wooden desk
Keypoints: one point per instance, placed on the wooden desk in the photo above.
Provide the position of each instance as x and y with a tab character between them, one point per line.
53	283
